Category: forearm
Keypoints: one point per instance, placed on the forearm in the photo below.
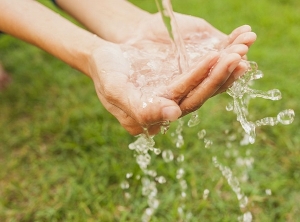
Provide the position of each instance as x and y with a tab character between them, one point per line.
32	22
112	20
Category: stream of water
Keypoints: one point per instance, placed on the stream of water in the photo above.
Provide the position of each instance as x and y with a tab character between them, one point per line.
156	66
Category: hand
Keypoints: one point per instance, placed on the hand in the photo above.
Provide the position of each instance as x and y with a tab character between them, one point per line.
125	101
121	98
230	66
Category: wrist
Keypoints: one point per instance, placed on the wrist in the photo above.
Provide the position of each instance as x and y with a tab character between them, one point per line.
85	53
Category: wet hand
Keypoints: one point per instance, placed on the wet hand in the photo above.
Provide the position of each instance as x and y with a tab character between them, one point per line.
191	90
109	71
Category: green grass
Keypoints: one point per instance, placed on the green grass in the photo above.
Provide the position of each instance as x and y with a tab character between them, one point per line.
63	156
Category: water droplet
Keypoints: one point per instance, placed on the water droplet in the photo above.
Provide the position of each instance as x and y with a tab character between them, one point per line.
167	155
247	217
124	185
252	66
161	179
201	134
127	195
129	175
286	117
269	192
180	141
180	173
229	106
205	194
183	184
208	143
194	120
180	210
153	203
180	158
149	211
243	202
156	151
274	94
151	173
257	75
164	127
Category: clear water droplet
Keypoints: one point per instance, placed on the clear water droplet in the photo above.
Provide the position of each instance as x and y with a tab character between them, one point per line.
194	120
127	195
252	66
205	194
268	192
180	158
201	134
286	117
207	143
124	185
167	156
129	175
229	106
246	217
179	173
161	179
151	173
153	203
156	151
183	185
164	127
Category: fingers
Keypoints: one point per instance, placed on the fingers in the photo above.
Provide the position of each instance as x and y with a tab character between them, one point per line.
241	35
238	31
238	72
135	110
240	49
184	83
247	38
214	82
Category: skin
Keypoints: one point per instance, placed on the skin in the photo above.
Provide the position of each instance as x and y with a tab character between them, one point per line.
97	54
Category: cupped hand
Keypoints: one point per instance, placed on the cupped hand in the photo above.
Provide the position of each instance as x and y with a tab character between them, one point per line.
213	74
135	110
231	65
109	71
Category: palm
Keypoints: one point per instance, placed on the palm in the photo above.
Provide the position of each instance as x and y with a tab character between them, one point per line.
183	94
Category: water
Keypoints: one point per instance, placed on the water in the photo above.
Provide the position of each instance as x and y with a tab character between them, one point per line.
241	92
155	66
166	11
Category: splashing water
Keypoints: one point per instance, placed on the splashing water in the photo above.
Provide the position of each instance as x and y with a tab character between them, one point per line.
235	186
152	68
239	92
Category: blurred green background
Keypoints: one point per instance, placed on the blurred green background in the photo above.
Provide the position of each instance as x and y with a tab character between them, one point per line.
63	156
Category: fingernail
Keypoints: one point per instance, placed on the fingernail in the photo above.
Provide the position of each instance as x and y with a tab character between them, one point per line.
171	113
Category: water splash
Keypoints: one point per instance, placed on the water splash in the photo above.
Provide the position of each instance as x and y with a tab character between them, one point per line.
166	11
194	120
142	146
155	66
241	91
233	182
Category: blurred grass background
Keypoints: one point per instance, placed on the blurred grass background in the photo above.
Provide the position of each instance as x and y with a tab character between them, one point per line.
63	156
